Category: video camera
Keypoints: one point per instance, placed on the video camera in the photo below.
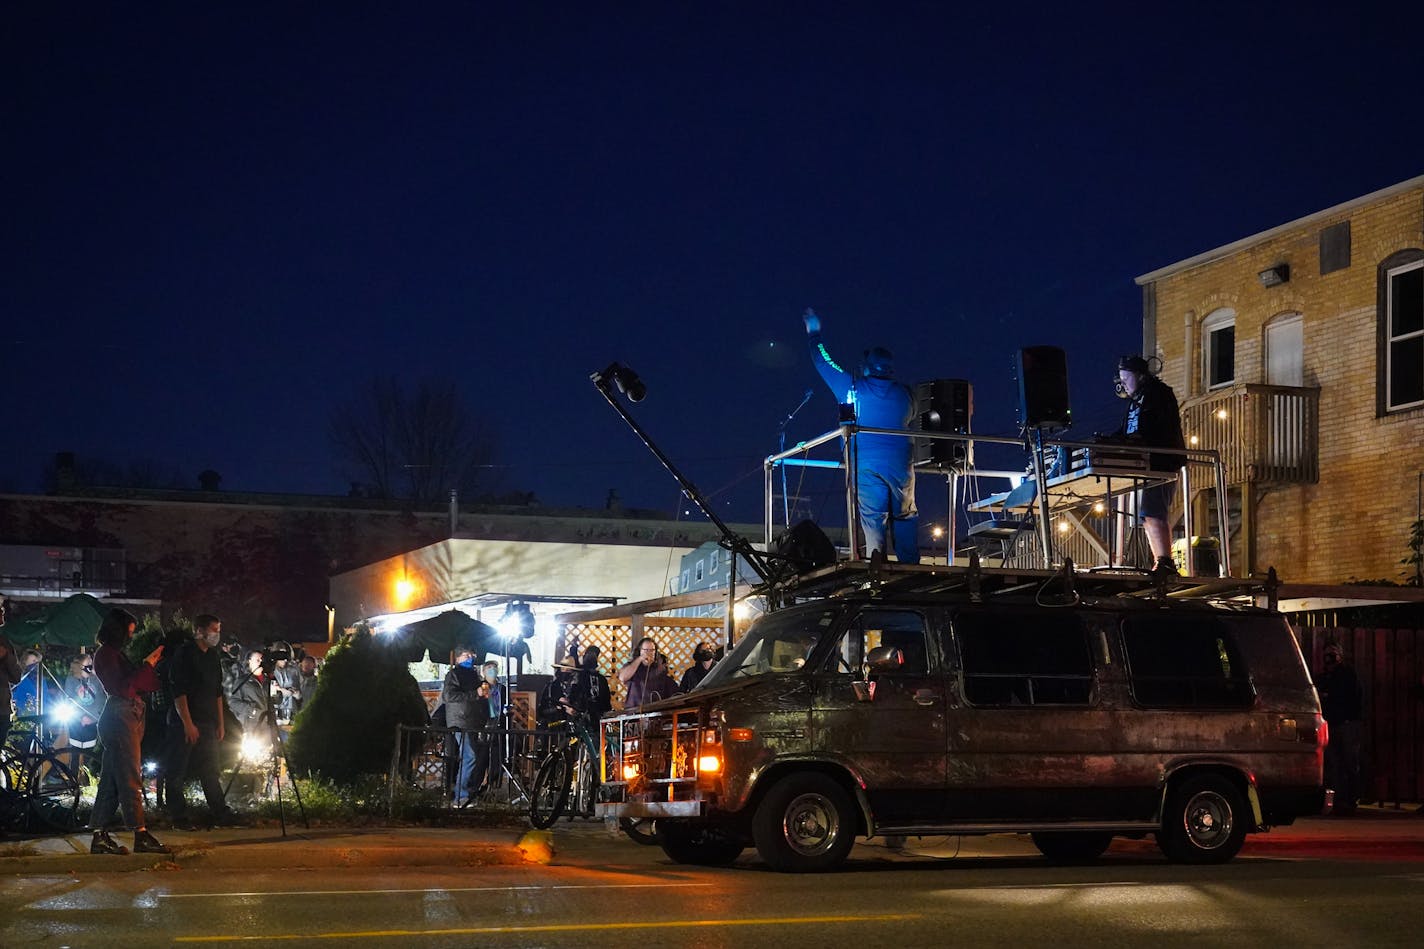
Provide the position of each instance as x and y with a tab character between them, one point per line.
273	653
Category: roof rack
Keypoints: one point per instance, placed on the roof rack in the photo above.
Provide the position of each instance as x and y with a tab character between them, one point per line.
983	583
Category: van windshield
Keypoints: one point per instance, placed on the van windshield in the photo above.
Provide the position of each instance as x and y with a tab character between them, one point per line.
778	642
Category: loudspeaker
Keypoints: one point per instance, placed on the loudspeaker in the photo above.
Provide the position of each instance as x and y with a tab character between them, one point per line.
943	405
806	547
1043	388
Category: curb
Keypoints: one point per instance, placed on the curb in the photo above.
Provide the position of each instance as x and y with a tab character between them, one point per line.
70	856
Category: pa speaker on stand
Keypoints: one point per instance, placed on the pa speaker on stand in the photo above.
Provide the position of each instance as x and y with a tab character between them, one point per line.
1043	388
944	405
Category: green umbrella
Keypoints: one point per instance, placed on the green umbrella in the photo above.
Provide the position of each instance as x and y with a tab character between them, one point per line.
73	622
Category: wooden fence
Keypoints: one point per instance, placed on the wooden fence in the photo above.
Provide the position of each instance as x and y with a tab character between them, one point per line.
1390	664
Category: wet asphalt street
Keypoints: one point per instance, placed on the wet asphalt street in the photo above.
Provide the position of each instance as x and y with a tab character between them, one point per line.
607	892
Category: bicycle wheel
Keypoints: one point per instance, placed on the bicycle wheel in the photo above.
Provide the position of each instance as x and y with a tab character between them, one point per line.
551	789
53	793
585	783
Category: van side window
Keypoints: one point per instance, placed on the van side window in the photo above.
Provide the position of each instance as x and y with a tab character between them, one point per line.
1039	658
1191	661
903	629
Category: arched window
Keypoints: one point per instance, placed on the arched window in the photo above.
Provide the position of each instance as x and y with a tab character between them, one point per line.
1219	349
1401	332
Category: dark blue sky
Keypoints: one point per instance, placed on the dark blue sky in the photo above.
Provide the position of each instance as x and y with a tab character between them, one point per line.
220	218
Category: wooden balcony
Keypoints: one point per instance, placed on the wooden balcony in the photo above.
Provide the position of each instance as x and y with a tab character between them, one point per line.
1265	434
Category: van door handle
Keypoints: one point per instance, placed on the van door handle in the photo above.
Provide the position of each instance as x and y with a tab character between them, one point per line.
925	697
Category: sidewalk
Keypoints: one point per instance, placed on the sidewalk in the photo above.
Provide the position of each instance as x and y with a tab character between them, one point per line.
1370	833
264	848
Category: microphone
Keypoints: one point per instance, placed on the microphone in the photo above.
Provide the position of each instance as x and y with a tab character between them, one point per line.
805	397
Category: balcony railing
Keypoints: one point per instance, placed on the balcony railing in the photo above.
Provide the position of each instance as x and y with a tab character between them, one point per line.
1265	434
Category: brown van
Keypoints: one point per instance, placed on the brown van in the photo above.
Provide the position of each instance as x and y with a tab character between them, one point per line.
990	702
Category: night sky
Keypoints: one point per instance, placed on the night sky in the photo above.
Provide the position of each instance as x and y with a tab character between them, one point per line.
221	219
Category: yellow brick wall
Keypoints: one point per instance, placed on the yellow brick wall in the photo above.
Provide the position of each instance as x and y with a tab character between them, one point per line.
1355	522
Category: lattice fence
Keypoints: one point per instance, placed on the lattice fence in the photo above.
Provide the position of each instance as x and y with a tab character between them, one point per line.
676	638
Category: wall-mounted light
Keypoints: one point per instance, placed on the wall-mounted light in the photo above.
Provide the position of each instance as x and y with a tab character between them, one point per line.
1274	276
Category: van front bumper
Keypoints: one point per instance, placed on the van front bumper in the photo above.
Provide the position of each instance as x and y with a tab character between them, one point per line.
615	810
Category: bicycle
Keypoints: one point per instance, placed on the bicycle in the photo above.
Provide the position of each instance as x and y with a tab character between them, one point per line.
569	770
40	784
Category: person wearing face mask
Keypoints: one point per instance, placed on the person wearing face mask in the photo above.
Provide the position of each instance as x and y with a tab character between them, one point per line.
703	658
1152	420
88	695
195	724
465	696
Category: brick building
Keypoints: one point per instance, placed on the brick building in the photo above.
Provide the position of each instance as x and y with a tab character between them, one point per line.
1298	353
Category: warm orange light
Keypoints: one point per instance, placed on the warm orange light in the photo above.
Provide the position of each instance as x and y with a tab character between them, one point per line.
709	764
1221	414
630	771
937	532
1099	508
404	589
740	734
1062	527
1193	440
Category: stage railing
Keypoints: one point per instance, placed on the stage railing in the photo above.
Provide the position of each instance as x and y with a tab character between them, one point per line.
798	456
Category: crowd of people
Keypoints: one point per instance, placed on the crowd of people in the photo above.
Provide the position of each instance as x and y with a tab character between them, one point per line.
577	695
176	709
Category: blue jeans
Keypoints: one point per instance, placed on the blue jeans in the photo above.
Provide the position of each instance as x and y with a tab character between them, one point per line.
474	755
887	498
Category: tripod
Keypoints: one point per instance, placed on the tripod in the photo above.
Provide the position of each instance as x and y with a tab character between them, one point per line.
506	751
279	750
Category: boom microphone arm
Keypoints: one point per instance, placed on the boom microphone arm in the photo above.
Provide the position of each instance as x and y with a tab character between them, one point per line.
627	382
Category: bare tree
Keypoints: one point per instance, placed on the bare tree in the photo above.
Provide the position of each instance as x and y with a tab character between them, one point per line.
413	444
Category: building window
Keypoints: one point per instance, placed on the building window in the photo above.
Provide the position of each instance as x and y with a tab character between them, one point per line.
1219	349
1335	248
1403	333
700	570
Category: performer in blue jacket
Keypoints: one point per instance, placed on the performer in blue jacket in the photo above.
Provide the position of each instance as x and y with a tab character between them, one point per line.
885	478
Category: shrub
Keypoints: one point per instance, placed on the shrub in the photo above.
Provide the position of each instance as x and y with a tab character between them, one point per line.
348	727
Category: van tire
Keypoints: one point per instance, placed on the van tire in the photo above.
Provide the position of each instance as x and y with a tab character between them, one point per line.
699	845
805	824
1066	846
1205	821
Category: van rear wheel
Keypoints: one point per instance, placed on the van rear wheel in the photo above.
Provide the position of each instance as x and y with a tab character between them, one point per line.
1065	846
805	824
1205	821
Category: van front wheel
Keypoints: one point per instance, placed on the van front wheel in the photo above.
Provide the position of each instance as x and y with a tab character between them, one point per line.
805	824
1205	821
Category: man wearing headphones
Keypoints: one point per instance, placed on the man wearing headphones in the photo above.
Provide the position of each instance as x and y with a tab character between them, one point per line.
1154	421
885	479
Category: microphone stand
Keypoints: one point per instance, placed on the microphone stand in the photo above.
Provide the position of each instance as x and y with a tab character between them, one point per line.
781	447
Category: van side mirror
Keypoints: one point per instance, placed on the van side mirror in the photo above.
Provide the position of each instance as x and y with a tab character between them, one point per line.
884	659
879	661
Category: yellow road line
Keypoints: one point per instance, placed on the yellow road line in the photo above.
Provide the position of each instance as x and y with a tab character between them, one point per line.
558	928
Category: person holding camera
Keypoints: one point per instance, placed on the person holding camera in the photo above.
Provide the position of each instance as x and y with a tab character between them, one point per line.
248	698
121	731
